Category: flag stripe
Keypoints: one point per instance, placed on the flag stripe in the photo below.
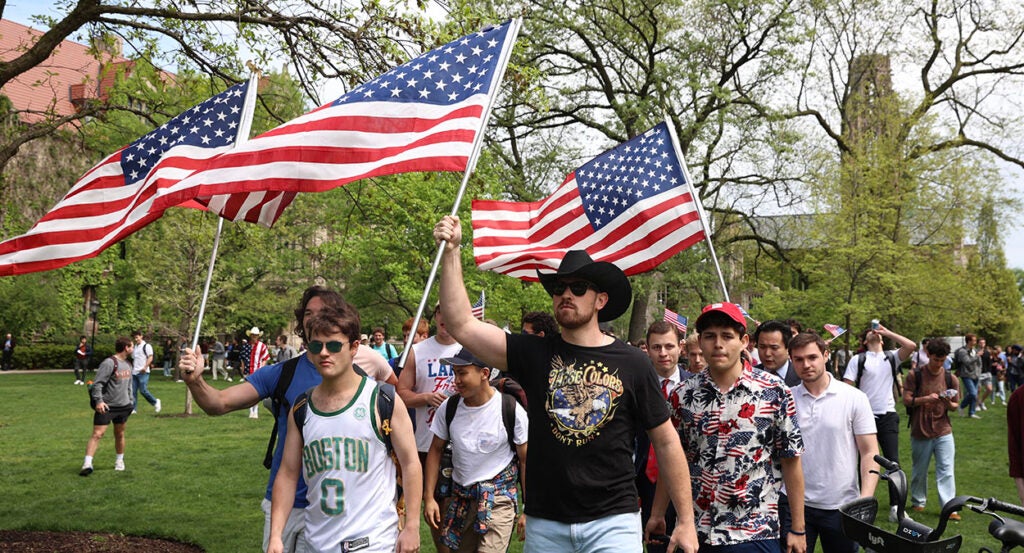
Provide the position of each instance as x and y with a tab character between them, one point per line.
127	190
658	229
424	115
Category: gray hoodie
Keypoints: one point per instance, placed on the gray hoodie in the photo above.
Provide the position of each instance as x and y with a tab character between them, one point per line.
113	386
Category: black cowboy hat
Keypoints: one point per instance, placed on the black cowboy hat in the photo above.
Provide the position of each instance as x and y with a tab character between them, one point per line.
607	277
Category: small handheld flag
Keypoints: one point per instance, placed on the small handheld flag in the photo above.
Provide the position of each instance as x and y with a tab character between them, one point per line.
676	320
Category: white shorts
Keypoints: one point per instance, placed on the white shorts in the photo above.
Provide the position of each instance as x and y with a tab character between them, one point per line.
294	529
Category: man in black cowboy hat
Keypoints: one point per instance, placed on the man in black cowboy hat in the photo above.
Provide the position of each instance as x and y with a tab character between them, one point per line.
588	393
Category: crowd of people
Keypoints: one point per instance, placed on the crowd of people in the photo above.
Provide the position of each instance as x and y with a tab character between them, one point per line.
735	438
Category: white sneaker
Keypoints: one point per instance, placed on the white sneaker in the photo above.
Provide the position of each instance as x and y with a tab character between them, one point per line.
892	515
156	406
135	412
982	407
230	380
119	464
77	382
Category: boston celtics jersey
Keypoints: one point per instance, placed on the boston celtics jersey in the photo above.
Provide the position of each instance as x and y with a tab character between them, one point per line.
350	477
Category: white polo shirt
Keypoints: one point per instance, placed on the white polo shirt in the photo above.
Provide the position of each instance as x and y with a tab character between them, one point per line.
829	424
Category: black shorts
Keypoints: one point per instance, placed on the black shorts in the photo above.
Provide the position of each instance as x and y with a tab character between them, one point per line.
116	415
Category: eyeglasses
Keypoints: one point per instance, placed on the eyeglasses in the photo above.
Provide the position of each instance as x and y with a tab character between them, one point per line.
578	288
316	346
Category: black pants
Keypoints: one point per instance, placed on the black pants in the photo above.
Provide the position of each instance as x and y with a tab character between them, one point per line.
645	489
821	523
888	426
8	360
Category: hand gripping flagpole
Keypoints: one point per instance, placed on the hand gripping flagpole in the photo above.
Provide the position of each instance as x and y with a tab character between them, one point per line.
700	208
245	124
513	32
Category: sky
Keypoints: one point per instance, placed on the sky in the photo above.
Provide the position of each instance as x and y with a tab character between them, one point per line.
1013	231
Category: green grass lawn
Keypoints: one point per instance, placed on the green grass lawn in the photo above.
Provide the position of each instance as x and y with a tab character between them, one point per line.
200	479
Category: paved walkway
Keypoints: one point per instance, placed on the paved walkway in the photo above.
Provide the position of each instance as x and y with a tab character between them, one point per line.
37	371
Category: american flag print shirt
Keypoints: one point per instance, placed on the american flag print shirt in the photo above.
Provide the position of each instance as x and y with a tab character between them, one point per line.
734	443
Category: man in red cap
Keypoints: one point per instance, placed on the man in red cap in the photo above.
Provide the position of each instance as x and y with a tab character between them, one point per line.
738	427
588	393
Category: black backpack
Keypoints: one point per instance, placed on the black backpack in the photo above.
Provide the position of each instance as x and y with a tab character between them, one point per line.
385	407
278	402
893	362
511	393
917	390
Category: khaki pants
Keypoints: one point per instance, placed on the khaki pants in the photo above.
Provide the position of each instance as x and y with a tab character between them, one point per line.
499	530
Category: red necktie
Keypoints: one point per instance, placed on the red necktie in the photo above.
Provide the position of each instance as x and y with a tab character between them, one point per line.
652	461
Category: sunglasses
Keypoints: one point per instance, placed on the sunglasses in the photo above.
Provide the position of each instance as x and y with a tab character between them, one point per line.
316	346
577	288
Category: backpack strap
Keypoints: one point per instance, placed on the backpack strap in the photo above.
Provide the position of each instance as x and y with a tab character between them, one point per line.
508	417
299	411
386	408
449	412
894	363
278	402
862	358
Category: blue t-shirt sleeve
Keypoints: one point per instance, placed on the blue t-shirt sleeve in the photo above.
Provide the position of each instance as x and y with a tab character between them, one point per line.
265	379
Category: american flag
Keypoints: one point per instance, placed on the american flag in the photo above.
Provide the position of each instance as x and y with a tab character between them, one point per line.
677	320
130	188
630	206
423	115
835	330
478	307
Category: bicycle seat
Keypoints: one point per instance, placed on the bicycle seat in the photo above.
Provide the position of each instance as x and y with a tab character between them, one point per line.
1008	531
858	518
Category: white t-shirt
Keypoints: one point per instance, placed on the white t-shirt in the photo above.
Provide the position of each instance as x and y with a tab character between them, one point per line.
139	355
876	380
829	424
480	444
431	376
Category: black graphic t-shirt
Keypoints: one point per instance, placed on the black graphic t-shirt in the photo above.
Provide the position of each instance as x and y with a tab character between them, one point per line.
585	406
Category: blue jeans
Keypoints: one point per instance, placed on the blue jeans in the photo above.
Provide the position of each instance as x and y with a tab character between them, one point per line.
970	394
140	383
944	450
610	534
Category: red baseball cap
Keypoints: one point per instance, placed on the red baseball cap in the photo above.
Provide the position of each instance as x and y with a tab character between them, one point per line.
730	310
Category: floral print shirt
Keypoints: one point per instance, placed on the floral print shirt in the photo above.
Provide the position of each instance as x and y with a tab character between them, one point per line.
734	443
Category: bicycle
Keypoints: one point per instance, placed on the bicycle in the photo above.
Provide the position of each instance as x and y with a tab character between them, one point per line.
858	519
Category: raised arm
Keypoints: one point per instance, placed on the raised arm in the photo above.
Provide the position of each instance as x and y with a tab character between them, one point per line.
212	400
486	341
907	346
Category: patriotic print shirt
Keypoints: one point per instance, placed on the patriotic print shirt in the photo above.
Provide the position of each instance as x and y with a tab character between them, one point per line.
734	443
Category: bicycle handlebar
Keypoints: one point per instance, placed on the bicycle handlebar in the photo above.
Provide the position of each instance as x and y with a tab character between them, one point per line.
996	505
887	464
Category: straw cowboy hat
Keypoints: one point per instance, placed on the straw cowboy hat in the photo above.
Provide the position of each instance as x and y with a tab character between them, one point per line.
254	331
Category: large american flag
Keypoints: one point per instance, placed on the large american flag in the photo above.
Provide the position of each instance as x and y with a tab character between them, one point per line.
630	206
676	320
130	188
423	115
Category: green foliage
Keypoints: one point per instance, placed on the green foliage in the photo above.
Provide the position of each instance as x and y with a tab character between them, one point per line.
56	356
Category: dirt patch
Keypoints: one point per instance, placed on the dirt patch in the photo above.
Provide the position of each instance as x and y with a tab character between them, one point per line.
16	541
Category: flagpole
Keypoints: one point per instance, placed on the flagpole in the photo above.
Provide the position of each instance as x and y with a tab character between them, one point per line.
700	208
244	126
478	141
483	304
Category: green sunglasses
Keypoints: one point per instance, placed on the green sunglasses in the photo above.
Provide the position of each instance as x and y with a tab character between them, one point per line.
316	346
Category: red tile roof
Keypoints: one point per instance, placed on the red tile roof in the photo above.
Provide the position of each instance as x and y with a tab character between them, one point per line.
49	87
